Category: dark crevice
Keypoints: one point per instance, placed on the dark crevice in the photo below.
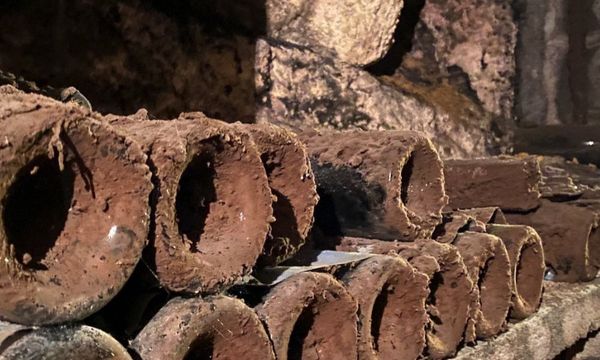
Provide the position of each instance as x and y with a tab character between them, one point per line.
251	295
285	225
134	354
301	330
84	172
218	18
570	352
168	57
13	338
201	349
36	209
440	229
434	284
326	219
406	174
483	273
482	278
195	194
403	39
377	316
494	218
461	81
133	307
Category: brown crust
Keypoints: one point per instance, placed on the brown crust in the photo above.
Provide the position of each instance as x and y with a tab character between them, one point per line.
214	203
392	317
487	261
74	210
293	185
67	342
565	231
377	161
451	289
218	328
526	255
311	315
509	183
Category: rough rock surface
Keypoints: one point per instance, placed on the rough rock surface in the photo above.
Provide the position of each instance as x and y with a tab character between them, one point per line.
194	60
358	32
300	88
568	313
475	37
449	99
543	94
591	349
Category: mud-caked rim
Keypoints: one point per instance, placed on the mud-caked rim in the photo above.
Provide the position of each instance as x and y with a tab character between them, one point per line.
449	301
204	328
217	215
391	297
311	312
89	342
73	216
293	187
